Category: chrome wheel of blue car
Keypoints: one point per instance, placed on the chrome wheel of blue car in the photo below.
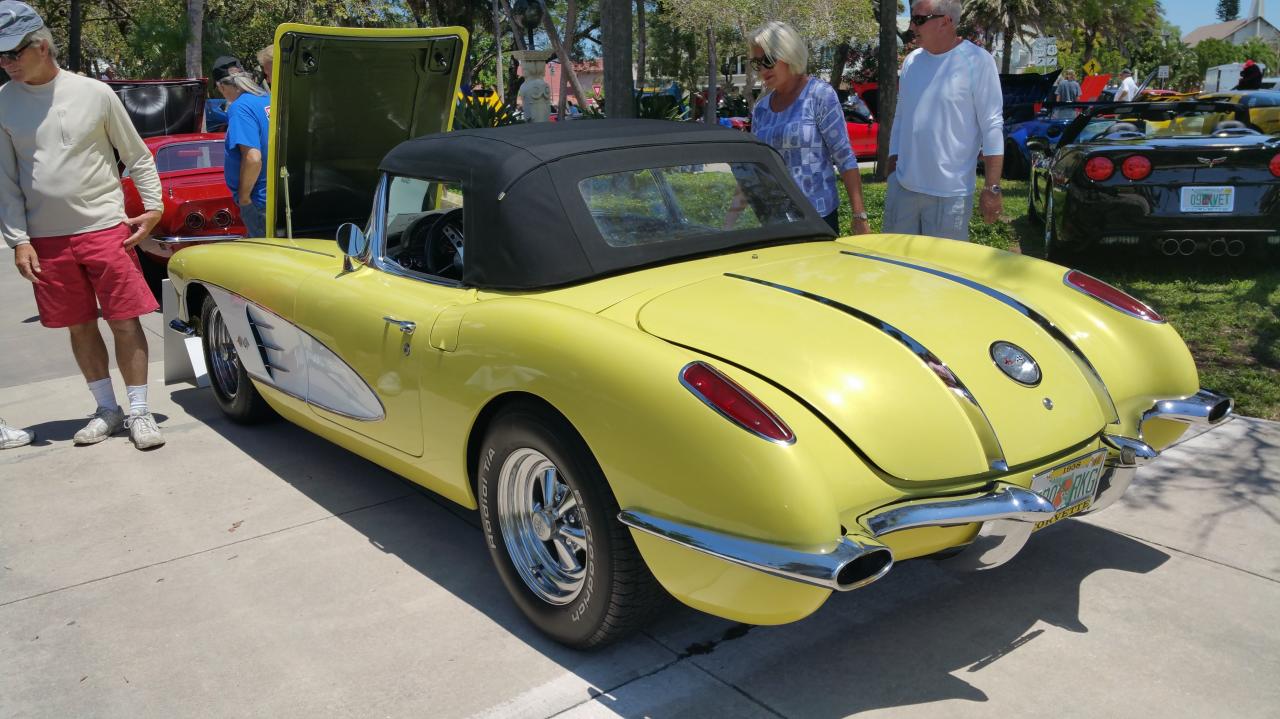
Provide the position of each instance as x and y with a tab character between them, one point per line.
541	526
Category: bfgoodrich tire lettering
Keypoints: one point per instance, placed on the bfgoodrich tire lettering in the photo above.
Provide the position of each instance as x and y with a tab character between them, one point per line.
234	391
537	483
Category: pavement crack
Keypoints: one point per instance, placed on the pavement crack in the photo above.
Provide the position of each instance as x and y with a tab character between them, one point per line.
210	549
1211	560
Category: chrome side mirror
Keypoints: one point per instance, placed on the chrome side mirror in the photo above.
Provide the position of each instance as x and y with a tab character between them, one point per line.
352	242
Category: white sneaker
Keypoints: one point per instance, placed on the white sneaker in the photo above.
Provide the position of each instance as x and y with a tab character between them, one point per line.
11	437
105	423
143	430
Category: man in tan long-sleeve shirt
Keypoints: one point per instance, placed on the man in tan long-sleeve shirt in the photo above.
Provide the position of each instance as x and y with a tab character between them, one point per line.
62	211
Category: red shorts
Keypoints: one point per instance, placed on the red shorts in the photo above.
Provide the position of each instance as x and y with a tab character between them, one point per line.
80	272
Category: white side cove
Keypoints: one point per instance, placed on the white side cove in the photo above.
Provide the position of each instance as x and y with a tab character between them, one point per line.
276	352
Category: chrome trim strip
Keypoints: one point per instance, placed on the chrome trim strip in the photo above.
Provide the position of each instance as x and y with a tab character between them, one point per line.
754	400
977	417
1006	501
1204	407
286	247
1091	373
1129	452
267	345
181	239
276	367
821	567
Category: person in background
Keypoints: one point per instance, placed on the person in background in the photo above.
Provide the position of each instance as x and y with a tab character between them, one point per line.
800	117
248	123
1128	91
1250	76
1068	88
225	65
266	58
62	212
950	107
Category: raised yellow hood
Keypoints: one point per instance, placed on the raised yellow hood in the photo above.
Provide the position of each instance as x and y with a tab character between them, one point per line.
855	339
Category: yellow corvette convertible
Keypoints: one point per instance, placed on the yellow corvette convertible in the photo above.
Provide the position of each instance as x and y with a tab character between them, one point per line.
644	358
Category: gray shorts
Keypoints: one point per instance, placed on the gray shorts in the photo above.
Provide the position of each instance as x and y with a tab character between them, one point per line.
255	219
913	213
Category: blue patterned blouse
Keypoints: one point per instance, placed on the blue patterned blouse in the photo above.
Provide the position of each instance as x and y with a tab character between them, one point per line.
811	137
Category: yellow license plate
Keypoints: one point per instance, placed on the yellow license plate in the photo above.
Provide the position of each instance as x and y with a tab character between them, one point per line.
1070	486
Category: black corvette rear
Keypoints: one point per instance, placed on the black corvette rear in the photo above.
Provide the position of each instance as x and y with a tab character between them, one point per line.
1217	193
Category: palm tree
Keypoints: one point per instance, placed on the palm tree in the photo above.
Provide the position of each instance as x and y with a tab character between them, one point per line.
615	22
1008	17
195	37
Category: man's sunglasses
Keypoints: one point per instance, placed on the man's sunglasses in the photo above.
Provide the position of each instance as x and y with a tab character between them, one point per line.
14	54
922	19
763	63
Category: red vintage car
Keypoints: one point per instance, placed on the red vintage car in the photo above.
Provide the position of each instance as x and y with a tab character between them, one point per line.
860	121
198	207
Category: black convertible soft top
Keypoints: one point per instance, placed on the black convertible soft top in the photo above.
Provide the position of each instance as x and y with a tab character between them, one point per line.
528	227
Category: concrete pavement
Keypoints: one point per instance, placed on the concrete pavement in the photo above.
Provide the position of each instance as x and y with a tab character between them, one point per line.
264	572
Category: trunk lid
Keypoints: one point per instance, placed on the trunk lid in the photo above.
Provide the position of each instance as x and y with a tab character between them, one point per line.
162	107
869	344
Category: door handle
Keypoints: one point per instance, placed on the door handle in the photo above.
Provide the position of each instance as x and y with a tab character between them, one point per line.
405	326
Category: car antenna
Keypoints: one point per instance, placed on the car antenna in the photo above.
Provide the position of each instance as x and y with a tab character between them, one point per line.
288	206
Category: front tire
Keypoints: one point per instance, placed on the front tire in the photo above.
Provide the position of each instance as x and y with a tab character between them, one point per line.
551	525
234	391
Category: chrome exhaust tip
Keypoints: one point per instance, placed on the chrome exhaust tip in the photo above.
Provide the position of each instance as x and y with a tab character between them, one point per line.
1186	248
1204	407
870	561
1235	248
1169	247
1218	248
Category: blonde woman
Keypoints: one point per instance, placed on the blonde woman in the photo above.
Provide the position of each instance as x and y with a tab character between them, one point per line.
800	117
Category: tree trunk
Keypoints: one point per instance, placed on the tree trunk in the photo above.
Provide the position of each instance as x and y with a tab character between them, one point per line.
566	65
887	79
641	44
837	65
195	38
497	46
709	109
571	27
615	26
1007	49
73	44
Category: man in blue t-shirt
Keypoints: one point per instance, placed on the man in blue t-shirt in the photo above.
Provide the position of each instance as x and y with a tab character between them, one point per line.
248	121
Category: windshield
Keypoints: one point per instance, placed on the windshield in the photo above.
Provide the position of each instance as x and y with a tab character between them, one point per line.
669	204
1153	121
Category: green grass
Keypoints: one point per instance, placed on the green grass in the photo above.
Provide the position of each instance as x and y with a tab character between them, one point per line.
1228	312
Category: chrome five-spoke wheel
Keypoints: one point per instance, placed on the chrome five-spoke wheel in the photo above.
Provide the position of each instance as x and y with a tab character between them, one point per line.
224	361
541	526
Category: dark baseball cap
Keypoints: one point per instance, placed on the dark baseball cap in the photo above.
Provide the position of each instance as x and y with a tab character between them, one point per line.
17	21
223	66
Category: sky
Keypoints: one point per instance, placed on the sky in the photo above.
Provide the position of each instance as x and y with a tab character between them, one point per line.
1191	14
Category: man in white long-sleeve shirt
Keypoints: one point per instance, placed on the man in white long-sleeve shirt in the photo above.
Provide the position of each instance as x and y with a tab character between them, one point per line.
62	212
950	107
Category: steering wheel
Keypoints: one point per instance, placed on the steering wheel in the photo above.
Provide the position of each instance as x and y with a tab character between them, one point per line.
442	248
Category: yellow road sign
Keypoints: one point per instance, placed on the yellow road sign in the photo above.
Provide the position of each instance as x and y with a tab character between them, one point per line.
1093	66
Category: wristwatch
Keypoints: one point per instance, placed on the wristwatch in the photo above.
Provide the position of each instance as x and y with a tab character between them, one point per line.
860	215
993	189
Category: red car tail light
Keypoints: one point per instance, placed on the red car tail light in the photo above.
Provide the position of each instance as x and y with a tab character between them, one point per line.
1136	167
194	221
1099	168
1275	165
734	403
222	218
1110	296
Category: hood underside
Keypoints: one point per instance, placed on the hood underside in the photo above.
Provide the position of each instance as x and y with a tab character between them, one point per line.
896	357
162	107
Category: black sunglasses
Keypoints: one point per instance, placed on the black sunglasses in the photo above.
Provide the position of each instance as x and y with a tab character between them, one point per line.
763	63
14	54
922	19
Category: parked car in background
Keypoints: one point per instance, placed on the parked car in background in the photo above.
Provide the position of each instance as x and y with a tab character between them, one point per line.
198	207
860	123
1263	106
1047	125
1178	178
639	352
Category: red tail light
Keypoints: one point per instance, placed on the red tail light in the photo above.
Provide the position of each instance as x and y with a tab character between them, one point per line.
1099	168
1275	165
1136	167
1111	296
734	403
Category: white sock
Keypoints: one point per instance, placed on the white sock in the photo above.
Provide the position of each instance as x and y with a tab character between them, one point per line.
137	398
103	393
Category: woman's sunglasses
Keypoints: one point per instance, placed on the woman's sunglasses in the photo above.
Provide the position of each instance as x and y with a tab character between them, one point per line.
763	63
14	54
